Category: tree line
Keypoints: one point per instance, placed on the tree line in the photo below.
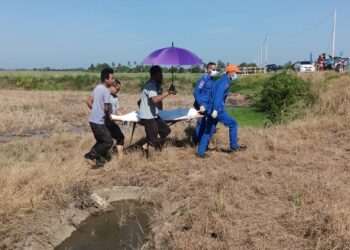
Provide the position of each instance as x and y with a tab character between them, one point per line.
139	68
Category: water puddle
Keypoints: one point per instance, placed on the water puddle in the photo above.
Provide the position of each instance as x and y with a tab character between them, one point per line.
4	137
79	129
126	227
38	133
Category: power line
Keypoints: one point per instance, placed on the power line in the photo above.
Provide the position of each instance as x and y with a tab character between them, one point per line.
307	29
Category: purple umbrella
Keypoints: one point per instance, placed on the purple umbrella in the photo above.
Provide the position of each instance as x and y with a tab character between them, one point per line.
172	56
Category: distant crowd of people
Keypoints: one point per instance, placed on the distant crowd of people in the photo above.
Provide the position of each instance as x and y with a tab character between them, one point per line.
327	62
210	94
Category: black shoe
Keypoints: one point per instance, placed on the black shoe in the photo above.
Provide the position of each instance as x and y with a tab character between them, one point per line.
88	156
240	148
108	156
202	156
100	162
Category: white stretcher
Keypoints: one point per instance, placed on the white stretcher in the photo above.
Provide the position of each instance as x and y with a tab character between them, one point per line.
171	116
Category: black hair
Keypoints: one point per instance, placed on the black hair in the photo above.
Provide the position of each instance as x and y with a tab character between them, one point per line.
154	70
210	64
105	73
116	83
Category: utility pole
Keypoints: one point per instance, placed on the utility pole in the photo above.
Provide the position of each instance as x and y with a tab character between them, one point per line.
261	49
266	37
334	25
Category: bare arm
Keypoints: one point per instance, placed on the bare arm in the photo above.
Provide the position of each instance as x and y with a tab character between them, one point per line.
160	105
159	98
89	102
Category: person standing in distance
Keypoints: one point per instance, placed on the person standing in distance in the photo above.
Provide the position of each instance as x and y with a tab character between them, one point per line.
219	114
202	96
99	102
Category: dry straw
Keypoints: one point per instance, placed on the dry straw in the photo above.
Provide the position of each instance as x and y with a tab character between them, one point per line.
289	190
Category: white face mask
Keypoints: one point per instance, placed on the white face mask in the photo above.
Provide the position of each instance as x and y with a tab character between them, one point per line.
214	73
235	77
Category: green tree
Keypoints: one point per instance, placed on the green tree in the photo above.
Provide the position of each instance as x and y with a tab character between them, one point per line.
220	65
288	65
196	69
92	67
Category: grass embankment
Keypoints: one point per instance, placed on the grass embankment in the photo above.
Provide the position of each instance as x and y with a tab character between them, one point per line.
289	190
55	80
248	117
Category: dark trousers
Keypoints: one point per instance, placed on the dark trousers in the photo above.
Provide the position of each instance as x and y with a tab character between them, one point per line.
153	128
116	132
103	138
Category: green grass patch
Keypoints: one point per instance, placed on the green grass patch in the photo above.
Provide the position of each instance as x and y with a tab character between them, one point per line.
250	86
248	116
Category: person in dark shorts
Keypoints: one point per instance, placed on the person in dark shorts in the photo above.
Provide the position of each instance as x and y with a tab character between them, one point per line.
114	129
99	102
151	101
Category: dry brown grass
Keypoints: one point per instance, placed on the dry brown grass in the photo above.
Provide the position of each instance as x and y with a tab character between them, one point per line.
290	190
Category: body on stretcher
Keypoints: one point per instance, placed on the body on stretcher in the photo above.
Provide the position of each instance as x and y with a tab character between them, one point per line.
171	116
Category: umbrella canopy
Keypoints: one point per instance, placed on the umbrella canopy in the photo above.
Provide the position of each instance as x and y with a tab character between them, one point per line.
172	56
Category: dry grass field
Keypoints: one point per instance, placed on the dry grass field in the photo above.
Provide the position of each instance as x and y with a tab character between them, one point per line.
289	190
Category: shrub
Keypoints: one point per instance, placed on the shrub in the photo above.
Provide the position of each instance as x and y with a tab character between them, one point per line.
284	97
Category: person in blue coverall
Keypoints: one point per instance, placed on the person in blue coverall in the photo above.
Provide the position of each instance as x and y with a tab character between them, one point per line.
202	94
218	113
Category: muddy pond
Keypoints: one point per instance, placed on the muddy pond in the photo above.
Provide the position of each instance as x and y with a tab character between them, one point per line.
125	227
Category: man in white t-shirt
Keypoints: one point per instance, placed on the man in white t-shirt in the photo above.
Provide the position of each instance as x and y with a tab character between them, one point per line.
99	102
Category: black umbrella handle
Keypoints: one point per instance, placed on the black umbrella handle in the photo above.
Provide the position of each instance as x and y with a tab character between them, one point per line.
175	91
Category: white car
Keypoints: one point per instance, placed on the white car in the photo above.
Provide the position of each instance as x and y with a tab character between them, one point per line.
304	66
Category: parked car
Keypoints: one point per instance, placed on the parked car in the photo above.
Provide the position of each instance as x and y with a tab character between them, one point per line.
271	67
304	66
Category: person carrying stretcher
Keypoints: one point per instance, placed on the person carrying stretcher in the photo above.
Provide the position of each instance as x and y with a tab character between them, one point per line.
202	95
151	101
218	113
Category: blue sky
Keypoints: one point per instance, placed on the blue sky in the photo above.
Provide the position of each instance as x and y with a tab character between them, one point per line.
63	34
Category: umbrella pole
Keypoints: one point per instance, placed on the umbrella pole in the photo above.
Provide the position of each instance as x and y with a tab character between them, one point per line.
172	70
172	75
172	78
